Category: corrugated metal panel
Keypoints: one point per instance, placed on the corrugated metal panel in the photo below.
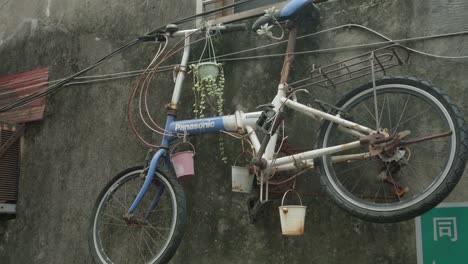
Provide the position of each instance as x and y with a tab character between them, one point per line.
9	167
15	86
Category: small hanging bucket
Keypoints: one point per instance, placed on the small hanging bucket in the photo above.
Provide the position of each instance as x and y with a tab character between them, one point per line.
292	217
183	162
208	69
242	178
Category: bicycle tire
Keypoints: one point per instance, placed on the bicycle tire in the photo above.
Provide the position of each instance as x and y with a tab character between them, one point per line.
116	241
427	158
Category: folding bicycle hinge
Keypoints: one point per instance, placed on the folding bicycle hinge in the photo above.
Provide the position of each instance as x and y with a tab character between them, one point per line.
266	118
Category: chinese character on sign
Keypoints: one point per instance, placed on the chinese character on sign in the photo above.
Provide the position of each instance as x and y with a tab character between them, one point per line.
445	226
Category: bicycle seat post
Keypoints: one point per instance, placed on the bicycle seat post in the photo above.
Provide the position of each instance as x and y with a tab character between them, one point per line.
282	91
289	57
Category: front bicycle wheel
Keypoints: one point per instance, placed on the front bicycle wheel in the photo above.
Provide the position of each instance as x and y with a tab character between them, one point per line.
155	229
410	179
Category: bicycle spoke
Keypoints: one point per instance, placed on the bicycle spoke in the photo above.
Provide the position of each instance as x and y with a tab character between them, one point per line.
152	227
409	119
418	175
427	163
395	188
389	113
154	241
148	246
113	217
402	113
420	172
382	110
116	199
112	224
352	168
369	112
139	249
360	177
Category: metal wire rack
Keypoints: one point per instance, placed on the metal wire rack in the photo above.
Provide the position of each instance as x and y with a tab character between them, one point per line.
355	67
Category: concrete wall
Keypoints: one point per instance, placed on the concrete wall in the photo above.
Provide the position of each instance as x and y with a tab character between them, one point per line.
84	139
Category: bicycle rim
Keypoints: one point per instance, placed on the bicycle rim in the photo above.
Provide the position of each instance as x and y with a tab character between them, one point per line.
116	241
387	183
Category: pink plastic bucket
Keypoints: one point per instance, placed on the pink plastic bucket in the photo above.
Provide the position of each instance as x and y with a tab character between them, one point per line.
183	164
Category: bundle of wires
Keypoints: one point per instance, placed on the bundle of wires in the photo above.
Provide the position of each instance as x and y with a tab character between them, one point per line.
54	87
142	87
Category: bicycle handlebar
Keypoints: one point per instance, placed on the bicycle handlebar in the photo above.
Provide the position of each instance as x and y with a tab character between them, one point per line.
178	33
235	27
221	28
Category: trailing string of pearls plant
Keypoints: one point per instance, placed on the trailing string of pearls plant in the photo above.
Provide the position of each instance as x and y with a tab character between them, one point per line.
208	86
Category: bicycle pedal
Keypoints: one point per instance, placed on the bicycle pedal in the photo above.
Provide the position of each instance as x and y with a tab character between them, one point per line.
255	207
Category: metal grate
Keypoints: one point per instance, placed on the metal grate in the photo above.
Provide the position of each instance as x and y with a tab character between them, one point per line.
9	167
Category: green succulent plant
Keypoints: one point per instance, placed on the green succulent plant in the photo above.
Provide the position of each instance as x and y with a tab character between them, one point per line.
208	92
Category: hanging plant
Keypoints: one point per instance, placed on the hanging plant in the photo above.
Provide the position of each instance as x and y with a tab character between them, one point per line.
208	87
208	90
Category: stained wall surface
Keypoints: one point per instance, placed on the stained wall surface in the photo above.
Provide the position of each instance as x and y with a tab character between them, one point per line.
85	139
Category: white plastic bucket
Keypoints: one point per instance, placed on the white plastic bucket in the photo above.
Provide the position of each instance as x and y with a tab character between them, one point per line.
183	162
292	217
242	178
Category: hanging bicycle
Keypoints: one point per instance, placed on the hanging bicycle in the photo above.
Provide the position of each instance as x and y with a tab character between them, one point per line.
387	151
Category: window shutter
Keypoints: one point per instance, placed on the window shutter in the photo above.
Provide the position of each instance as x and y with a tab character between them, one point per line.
9	166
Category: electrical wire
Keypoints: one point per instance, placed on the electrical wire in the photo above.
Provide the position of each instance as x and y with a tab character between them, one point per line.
28	99
386	42
128	74
142	86
54	87
149	74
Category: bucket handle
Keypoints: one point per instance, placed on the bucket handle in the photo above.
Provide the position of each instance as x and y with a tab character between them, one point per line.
235	161
284	196
173	147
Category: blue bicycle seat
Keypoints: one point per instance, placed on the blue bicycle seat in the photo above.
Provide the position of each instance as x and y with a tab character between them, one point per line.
289	11
293	7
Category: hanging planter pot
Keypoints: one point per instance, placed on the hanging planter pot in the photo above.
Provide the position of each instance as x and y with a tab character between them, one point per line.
292	217
208	85
183	162
208	69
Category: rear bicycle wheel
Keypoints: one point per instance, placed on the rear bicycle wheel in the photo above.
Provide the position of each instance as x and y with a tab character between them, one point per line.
405	183
154	232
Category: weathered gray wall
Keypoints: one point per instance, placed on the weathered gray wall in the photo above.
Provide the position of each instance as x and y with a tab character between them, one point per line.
85	140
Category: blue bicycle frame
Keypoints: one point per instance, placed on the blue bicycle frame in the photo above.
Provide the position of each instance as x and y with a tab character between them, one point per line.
188	127
172	127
